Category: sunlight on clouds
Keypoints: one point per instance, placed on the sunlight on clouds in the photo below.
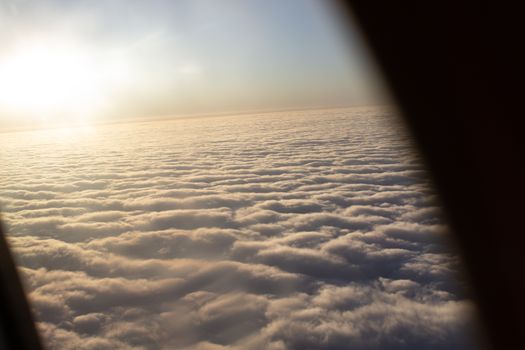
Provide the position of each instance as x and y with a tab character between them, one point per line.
290	231
308	228
71	134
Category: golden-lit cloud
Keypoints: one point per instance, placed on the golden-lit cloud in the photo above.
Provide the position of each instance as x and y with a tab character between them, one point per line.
293	230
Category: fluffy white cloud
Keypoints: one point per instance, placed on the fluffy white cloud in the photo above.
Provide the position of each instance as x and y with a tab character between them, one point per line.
310	230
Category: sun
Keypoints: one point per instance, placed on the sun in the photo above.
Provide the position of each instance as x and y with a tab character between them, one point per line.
51	81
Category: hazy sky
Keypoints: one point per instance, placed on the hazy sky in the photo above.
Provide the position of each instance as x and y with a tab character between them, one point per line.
75	61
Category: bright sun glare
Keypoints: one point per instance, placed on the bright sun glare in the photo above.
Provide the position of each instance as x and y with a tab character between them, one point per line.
53	82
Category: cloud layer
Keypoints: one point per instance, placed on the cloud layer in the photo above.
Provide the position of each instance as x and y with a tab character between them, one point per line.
297	230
